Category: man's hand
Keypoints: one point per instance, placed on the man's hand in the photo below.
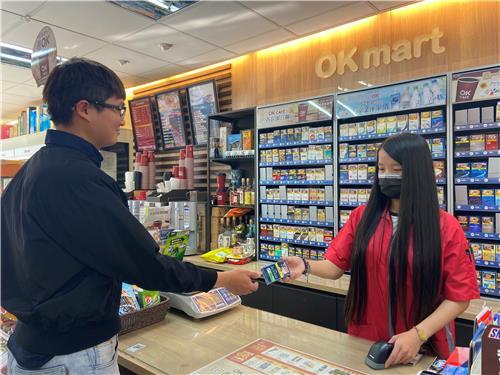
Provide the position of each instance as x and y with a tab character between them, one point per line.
238	282
296	267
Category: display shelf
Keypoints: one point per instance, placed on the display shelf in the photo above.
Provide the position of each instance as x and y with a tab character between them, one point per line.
477	181
356	182
295	242
296	163
440	130
488	263
296	202
324	224
490	292
297	182
295	143
474	127
476	154
478	208
233	206
435	156
482	236
234	160
351	204
264	256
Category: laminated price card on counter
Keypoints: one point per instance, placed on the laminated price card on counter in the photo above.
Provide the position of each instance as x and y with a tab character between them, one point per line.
266	357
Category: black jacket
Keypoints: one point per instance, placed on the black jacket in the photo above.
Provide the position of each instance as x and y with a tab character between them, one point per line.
68	241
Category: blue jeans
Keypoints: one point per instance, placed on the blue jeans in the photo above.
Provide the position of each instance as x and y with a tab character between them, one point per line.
98	360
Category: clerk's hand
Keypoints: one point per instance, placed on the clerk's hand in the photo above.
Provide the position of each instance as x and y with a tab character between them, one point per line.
238	282
296	267
406	347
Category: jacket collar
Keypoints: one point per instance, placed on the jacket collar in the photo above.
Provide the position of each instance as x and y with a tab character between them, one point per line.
63	139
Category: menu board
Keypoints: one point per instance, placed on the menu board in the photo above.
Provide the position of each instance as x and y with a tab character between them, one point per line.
142	124
172	125
476	85
266	357
202	103
408	95
295	113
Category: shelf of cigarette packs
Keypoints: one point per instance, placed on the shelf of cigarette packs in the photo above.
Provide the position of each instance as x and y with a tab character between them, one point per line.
360	139
477	185
296	190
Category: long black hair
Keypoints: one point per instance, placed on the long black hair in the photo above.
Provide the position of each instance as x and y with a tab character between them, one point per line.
418	223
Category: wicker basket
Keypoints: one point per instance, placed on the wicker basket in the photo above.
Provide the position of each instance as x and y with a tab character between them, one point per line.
144	317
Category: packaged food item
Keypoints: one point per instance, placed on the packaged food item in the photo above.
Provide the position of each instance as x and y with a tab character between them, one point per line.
353	151
425	120
128	301
217	255
148	298
247	139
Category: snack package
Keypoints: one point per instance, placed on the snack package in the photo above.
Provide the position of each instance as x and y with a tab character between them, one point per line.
128	301
148	298
175	243
217	255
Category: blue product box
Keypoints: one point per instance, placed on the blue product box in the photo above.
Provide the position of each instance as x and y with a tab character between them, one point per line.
234	142
479	170
344	172
475	224
488	197
462	170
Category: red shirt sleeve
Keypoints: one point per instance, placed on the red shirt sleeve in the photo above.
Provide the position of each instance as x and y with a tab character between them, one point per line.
459	270
340	249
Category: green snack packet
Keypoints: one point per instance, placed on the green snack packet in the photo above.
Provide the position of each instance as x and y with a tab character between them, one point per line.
148	298
175	244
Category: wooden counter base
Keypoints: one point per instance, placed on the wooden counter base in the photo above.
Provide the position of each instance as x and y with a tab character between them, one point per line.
180	345
339	286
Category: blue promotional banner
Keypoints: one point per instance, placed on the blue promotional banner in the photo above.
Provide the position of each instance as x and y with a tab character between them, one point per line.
408	95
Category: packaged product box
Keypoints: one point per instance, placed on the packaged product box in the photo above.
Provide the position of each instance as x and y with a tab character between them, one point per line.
497	223
475	224
371	127
488	197
328	172
304	194
328	191
319	151
413	121
439	168
297	214
489	252
269	156
479	170
361	151
437	145
309	174
462	170
497	253
477	142
487	114
477	250
328	132
461	117
363	195
290	213
282	154
487	224
247	139
462	143
290	132
319	173
464	222
344	172
493	166
282	192
276	158
498	279
362	129
277	136
353	129
313	134
402	123
440	194
473	116
497	197
311	153
353	151
353	172
489	279
320	133
353	195
305	133
371	172
425	120
362	171
392	124
371	150
262	139
491	142
437	119
382	125
303	153
497	116
327	236
321	214
320	236
298	134
478	277
344	130
329	214
327	152
474	197
344	195
344	216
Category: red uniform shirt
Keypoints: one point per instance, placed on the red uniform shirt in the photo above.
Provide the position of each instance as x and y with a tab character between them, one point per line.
458	277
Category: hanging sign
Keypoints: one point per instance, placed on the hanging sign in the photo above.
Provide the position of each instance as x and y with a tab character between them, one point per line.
44	55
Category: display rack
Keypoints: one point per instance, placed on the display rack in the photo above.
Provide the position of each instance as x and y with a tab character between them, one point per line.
295	174
365	118
475	110
222	159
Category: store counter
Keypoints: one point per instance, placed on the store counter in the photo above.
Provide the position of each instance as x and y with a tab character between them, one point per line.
180	345
339	286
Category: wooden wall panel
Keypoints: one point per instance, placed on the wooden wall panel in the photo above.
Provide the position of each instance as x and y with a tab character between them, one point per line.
471	39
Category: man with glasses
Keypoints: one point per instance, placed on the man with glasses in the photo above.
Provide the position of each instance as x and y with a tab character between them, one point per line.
69	240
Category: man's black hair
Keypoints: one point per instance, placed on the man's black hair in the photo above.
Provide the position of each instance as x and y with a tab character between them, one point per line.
78	79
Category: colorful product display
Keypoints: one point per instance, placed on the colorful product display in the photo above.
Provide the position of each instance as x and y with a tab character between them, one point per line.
296	155
298	134
294	233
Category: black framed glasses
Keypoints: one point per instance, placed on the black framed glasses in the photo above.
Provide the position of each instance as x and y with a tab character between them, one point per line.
122	109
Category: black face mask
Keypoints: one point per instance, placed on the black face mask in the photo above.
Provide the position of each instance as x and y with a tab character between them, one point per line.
390	187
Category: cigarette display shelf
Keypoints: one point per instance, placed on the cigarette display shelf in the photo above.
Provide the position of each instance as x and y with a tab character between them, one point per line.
475	127
488	263
324	224
490	292
383	112
281	126
476	154
476	208
295	242
482	236
476	181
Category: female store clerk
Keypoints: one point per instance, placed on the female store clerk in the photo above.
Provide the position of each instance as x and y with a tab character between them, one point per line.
411	270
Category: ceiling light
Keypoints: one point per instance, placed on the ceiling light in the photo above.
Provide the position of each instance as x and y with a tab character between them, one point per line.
154	9
165	46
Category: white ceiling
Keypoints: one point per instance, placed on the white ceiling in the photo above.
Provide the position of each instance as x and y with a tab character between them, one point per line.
202	34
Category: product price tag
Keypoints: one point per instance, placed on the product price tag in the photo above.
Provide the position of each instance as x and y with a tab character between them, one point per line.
135	348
